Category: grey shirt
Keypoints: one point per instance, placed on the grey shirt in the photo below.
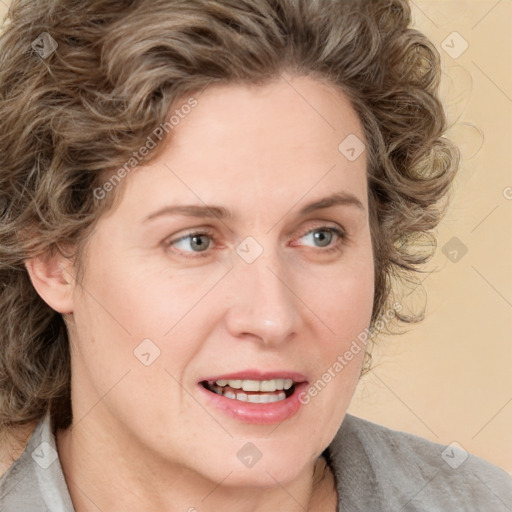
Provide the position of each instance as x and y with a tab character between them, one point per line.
376	470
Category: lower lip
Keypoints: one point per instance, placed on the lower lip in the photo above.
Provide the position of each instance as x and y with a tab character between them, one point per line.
265	414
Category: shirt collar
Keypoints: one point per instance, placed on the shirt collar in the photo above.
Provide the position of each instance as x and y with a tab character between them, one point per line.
41	452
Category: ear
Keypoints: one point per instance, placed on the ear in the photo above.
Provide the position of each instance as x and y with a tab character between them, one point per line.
52	278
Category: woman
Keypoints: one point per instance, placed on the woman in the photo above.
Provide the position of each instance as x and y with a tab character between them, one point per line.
204	204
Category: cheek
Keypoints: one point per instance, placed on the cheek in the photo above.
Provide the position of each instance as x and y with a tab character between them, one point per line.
343	301
129	309
342	296
150	299
339	356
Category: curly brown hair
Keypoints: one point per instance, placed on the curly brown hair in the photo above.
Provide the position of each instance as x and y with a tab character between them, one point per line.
72	116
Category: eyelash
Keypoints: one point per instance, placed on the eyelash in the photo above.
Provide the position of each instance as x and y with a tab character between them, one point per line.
340	234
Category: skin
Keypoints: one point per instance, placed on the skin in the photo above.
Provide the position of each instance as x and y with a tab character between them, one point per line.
144	437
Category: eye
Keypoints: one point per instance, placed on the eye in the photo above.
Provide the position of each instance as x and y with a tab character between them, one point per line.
324	236
197	242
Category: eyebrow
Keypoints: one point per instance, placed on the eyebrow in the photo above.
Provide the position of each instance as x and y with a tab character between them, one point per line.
219	212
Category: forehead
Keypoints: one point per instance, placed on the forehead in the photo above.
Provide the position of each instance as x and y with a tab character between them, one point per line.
300	113
248	145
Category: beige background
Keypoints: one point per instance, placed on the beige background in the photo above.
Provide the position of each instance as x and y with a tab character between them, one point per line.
450	378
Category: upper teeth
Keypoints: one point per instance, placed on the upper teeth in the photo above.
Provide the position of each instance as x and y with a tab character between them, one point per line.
257	385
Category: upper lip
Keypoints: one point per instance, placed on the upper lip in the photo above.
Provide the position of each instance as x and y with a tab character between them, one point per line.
258	375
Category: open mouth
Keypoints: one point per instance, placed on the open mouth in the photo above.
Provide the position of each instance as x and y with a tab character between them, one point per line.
252	391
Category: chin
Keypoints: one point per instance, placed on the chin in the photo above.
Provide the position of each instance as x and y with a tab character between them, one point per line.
261	462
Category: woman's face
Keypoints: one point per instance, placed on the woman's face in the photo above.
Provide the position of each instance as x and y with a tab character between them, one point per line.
264	285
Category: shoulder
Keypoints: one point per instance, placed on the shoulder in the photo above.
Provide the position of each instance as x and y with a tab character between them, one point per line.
377	468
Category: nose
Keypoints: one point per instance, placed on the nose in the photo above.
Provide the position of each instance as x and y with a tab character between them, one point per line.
264	306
